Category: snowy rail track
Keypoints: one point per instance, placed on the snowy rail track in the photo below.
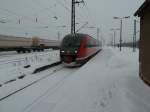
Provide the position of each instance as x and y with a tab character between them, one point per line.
14	53
22	65
55	69
10	54
51	80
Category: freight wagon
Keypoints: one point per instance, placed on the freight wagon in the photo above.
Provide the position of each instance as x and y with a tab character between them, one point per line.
23	44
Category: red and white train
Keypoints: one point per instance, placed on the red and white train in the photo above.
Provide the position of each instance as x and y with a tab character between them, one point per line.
76	49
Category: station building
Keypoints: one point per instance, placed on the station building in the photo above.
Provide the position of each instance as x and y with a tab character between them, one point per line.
144	45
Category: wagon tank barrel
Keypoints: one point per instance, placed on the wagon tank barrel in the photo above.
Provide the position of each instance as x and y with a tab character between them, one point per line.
24	44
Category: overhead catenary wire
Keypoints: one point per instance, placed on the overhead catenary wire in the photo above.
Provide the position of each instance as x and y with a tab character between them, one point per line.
64	6
69	10
88	11
35	19
19	17
55	15
48	9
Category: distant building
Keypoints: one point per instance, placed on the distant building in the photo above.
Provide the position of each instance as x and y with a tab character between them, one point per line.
144	45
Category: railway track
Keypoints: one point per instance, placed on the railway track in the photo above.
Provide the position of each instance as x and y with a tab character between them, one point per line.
56	68
11	68
14	53
52	88
50	82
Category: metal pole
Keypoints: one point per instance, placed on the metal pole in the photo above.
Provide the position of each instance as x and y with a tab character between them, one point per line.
114	38
58	35
73	17
120	34
134	34
98	31
133	42
134	49
74	22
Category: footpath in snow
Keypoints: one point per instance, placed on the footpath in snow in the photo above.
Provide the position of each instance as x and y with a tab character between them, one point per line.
109	82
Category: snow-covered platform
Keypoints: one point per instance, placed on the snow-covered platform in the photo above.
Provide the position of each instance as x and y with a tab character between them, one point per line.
109	82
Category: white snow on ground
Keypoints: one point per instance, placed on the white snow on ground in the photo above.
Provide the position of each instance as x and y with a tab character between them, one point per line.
109	82
11	69
14	66
24	99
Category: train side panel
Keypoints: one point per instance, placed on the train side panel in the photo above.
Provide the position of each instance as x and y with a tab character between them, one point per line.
88	48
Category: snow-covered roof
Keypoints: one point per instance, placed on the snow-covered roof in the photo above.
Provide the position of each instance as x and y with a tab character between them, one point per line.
143	8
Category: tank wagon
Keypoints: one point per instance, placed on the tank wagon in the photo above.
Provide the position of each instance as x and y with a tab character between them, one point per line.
23	44
76	49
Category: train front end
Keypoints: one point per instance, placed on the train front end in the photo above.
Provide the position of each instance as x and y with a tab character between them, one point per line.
69	49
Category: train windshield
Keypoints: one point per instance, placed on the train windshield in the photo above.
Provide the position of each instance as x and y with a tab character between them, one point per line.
71	41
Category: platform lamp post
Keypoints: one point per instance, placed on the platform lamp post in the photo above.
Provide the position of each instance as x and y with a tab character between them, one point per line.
121	19
114	37
135	35
111	39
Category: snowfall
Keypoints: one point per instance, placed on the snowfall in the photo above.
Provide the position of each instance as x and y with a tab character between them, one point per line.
109	82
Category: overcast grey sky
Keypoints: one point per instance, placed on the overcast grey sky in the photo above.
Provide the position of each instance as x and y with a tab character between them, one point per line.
51	14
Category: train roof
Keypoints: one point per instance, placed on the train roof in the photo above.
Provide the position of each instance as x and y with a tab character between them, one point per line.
81	35
76	34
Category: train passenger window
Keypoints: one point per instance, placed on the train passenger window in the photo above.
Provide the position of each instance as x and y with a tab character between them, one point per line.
88	45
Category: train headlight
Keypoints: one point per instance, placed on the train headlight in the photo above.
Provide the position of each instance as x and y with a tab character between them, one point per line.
75	51
62	51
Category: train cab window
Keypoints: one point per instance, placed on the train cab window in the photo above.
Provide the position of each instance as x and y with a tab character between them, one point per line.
71	41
